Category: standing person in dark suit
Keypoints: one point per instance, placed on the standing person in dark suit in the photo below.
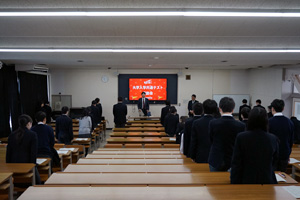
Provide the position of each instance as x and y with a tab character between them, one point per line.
23	145
197	112
99	106
296	123
64	127
190	105
180	128
48	111
164	111
243	106
171	121
200	140
255	152
45	136
283	128
120	112
223	132
94	114
143	104
270	112
258	104
245	114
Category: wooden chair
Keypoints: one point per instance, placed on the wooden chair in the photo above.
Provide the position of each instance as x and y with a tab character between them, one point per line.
153	146
171	146
133	146
58	146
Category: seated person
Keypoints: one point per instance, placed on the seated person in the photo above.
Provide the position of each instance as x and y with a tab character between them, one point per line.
255	152
171	121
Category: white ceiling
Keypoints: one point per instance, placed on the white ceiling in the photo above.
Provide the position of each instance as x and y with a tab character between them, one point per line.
150	33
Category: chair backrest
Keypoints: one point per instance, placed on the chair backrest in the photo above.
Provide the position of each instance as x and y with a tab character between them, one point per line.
171	146
153	146
133	146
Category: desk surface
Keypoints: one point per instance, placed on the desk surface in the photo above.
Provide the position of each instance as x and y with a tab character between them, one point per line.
4	177
139	149
144	118
143	122
134	161
137	129
135	153
138	168
138	134
143	125
134	156
16	167
140	140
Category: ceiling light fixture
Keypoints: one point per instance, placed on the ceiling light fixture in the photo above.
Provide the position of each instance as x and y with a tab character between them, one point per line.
150	50
149	14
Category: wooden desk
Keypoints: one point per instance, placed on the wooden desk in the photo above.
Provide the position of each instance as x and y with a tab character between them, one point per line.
134	156
134	161
66	158
138	149
144	118
6	183
221	192
143	125
74	152
137	129
138	168
141	141
138	134
44	168
19	170
143	122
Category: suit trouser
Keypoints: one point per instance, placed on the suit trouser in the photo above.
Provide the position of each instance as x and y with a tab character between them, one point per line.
145	112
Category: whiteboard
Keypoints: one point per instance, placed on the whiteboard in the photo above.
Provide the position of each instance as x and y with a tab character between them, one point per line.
238	98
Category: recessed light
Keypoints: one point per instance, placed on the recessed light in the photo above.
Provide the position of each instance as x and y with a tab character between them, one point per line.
150	65
156	58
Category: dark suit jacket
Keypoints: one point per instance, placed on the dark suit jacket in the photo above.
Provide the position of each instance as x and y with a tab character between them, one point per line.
190	106
223	132
64	129
140	104
171	122
200	140
24	151
95	116
296	123
254	157
45	137
120	112
283	128
259	106
48	111
164	112
241	107
187	135
99	106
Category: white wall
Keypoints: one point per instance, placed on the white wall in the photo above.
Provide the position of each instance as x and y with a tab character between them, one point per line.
86	85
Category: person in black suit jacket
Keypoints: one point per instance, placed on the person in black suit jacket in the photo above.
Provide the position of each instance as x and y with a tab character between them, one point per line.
197	111
223	132
258	104
296	123
99	106
120	112
64	127
171	121
94	114
190	105
23	145
255	152
164	111
283	128
143	104
45	136
243	106
245	114
270	112
48	111
200	140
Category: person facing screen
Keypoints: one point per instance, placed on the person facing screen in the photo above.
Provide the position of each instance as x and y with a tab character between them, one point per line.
143	104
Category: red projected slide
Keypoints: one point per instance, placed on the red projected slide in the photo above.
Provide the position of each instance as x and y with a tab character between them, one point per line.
155	88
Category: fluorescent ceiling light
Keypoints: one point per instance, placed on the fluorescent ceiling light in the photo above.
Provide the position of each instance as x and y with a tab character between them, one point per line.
151	50
147	13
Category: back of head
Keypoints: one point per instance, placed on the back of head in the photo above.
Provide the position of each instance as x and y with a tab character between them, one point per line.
64	110
278	105
167	102
198	109
244	101
23	121
245	112
209	106
120	99
258	101
193	95
258	119
97	100
227	104
173	109
183	119
86	112
40	116
94	102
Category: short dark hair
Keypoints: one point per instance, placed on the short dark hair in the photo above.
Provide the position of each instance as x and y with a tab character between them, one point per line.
143	93
245	112
46	102
120	98
258	101
193	95
167	102
97	100
258	119
40	116
244	101
209	106
227	104
94	102
278	105
183	119
64	109
198	108
173	109
86	112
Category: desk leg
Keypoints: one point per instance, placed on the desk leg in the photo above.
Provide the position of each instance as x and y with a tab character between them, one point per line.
11	189
33	177
293	171
62	164
71	158
49	171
